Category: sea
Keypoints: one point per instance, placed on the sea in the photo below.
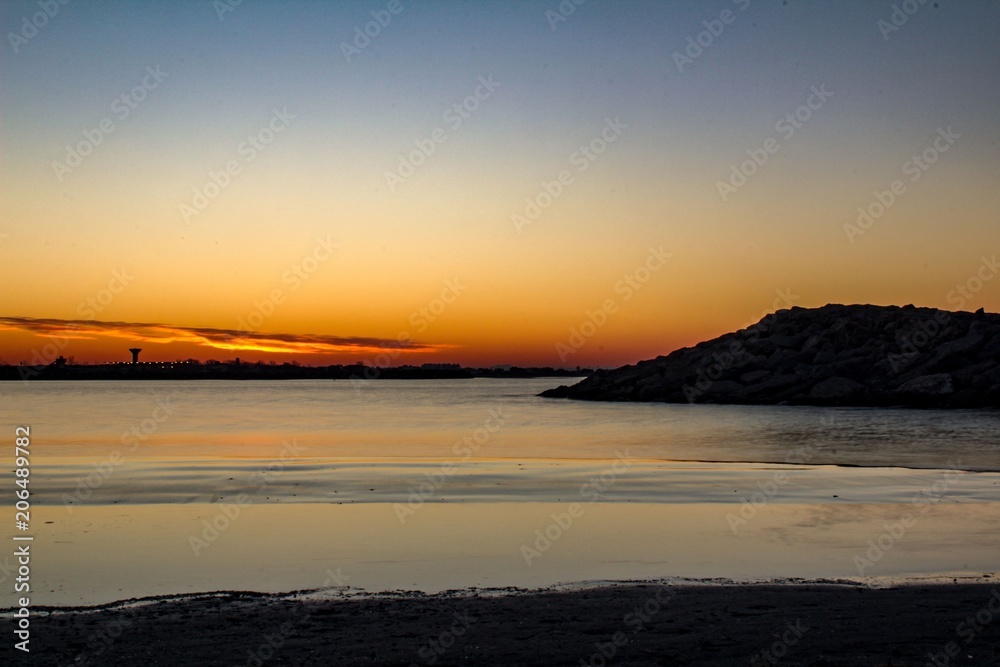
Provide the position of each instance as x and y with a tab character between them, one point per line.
340	487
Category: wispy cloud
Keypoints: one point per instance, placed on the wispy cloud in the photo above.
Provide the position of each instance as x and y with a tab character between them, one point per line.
223	339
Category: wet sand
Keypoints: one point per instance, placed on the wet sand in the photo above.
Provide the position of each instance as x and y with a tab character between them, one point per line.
69	481
629	624
97	555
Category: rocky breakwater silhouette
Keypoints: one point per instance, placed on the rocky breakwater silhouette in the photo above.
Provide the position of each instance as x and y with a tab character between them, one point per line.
859	355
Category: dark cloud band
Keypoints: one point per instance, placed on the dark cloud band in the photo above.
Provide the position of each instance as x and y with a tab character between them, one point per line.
226	339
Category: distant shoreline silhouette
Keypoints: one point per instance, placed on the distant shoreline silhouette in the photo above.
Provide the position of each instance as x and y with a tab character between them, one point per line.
237	370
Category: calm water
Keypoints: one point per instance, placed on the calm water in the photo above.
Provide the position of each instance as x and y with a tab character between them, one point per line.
437	484
383	419
483	439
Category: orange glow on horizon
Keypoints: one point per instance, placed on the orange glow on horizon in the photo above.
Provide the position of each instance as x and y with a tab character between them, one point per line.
52	334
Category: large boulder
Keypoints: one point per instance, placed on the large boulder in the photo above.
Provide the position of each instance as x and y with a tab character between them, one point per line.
838	389
939	384
834	355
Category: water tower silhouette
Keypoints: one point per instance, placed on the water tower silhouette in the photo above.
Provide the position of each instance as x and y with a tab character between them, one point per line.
135	354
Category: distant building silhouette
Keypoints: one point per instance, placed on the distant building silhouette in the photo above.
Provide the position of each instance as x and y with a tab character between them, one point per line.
135	354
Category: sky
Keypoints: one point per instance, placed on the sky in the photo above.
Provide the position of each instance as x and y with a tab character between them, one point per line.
530	183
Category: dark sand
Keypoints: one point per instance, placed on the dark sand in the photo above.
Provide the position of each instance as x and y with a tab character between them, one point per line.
803	624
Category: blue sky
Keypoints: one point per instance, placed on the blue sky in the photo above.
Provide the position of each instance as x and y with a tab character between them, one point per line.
352	119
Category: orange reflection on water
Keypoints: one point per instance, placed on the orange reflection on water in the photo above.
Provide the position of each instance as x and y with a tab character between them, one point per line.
101	554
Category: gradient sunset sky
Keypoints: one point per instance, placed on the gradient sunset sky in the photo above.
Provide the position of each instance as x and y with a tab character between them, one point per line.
319	244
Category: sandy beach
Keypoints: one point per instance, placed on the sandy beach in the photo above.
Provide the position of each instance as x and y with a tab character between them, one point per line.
548	332
640	624
813	536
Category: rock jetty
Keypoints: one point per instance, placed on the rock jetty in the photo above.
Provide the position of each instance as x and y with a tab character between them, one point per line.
858	355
